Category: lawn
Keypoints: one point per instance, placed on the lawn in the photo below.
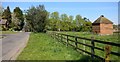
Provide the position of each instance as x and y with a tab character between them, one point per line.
108	38
43	47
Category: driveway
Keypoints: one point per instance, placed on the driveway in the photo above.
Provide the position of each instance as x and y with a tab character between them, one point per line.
13	44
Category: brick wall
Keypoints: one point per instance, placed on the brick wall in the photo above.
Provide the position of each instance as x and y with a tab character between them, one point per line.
106	29
96	28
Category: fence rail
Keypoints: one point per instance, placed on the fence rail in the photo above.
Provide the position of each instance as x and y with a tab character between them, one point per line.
61	36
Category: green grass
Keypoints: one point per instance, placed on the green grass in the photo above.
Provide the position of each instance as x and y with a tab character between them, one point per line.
108	38
43	47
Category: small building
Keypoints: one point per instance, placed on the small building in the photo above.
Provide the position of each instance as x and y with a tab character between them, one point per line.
3	23
102	26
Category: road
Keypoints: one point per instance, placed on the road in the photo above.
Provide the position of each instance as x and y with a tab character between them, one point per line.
13	44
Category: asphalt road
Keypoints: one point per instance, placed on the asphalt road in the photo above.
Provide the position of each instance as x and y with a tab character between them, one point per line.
13	44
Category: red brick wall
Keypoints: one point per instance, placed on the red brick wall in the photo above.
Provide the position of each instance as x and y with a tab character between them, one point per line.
96	28
106	29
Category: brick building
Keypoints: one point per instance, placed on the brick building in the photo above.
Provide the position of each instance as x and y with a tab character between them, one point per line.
102	26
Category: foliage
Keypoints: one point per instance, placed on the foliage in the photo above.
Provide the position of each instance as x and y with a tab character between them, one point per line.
54	21
64	22
7	15
1	10
36	19
18	19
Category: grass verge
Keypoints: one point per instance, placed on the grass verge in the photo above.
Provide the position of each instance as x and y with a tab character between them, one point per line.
43	47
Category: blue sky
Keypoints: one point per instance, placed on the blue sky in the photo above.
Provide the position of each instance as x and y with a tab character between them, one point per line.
91	10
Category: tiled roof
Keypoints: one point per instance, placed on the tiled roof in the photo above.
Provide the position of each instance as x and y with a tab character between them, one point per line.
102	19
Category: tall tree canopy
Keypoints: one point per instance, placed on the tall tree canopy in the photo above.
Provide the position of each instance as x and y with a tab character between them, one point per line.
54	21
1	10
64	22
36	19
7	15
18	19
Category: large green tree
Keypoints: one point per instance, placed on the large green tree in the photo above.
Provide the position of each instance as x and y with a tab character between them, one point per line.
1	10
65	22
36	18
79	22
54	21
18	19
87	26
7	15
70	22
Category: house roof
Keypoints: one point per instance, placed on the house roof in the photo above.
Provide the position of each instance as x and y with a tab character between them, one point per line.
3	21
102	19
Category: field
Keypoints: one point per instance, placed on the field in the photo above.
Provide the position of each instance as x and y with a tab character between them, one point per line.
43	47
108	38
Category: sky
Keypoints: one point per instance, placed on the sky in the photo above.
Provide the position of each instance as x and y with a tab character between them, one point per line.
91	10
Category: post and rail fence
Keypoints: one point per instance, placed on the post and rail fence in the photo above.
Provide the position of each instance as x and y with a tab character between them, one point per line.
106	49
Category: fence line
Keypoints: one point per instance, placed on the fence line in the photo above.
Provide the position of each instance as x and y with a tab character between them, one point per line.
61	36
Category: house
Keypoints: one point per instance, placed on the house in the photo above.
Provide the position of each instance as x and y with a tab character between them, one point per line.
102	26
3	23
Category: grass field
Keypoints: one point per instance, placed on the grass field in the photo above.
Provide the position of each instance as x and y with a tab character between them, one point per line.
109	38
43	47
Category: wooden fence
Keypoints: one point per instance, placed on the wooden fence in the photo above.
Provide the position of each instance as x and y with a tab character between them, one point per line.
107	48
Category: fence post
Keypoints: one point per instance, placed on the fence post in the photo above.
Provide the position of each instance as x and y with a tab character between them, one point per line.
67	40
76	43
92	48
107	53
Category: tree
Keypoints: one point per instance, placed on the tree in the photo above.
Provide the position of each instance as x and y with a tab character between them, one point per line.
64	20
87	25
64	17
67	23
18	19
7	15
79	22
1	10
54	21
36	18
70	23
